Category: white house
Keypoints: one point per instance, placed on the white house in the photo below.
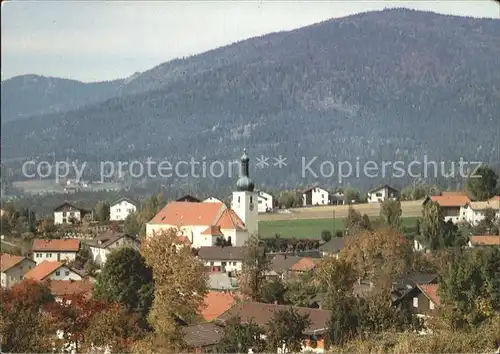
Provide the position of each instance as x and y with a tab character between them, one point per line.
265	202
67	213
224	259
55	250
52	270
475	211
121	208
101	246
453	206
315	196
382	193
212	200
201	224
14	269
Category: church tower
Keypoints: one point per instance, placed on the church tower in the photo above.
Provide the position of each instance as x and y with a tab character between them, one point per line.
245	199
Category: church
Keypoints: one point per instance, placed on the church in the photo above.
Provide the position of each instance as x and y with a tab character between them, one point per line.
200	224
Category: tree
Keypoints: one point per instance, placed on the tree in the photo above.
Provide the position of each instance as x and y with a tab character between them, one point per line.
253	270
470	287
289	199
487	226
24	327
114	329
302	291
273	291
241	337
326	235
390	213
483	184
378	255
431	224
350	195
125	278
334	278
102	211
355	222
286	330
131	225
345	320
180	285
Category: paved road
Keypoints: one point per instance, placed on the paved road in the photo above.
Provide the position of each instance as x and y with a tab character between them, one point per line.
409	209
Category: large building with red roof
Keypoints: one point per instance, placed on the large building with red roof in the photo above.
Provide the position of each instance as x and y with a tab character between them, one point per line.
14	269
201	224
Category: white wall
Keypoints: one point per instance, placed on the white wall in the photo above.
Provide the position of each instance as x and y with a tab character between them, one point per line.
121	210
230	265
380	195
319	196
16	274
245	204
63	273
265	202
475	216
212	200
39	257
62	217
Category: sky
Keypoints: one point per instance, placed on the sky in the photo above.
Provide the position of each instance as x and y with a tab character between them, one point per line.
105	40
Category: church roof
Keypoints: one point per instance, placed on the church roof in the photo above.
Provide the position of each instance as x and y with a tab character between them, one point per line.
213	230
199	214
186	213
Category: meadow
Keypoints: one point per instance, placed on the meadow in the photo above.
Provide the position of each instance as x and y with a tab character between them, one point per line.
312	228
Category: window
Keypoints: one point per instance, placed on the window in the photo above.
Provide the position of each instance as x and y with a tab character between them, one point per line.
66	273
431	305
251	200
64	221
21	277
117	210
212	263
58	273
48	255
118	243
378	194
71	214
64	214
238	199
234	263
415	302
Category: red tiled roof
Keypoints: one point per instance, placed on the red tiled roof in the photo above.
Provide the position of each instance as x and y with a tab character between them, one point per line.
486	240
70	245
183	239
42	270
431	291
216	303
8	261
186	213
303	265
70	287
451	200
230	220
213	230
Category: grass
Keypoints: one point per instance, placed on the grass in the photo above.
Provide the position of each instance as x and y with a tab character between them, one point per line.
311	228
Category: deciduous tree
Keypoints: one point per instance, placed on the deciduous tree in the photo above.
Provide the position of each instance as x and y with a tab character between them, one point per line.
483	184
241	337
390	213
253	270
180	285
286	331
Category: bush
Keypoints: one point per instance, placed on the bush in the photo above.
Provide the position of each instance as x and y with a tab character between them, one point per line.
326	235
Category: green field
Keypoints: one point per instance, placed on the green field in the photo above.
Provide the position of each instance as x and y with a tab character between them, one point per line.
311	228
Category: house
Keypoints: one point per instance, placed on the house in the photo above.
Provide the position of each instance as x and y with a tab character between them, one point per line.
481	241
202	224
453	206
67	213
333	247
382	193
475	211
338	198
64	288
212	200
121	208
203	337
216	303
14	268
425	300
265	202
55	250
188	198
222	259
52	270
102	245
315	196
262	314
285	266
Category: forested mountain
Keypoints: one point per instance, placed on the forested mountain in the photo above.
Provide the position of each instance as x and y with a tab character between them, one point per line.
393	84
28	95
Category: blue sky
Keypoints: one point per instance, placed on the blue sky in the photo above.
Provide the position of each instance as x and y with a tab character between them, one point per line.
94	41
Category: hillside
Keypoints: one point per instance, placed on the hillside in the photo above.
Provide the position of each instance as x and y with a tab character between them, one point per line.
394	84
28	95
